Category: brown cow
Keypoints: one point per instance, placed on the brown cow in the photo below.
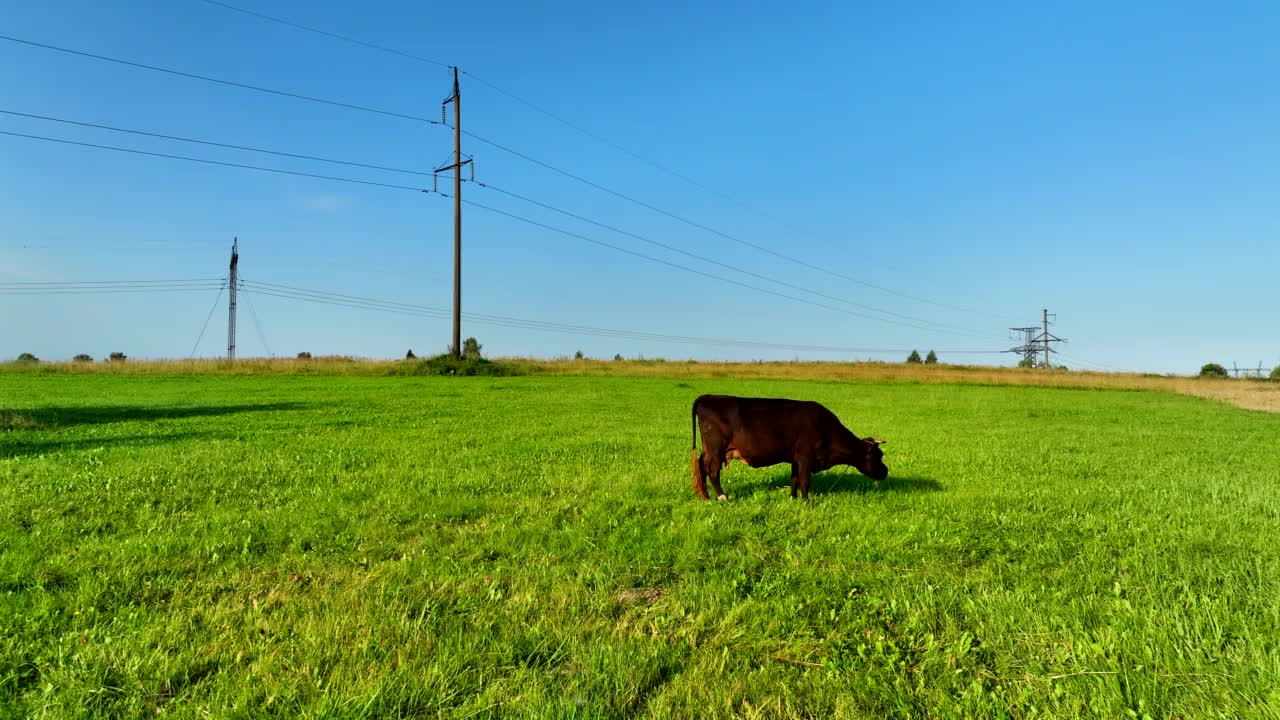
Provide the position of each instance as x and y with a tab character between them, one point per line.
767	431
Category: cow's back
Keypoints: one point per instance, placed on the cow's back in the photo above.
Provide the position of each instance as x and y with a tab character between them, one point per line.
766	431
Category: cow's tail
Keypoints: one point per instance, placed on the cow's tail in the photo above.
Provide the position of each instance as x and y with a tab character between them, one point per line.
695	458
695	423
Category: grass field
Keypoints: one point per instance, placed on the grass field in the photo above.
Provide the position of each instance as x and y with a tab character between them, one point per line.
220	545
1246	393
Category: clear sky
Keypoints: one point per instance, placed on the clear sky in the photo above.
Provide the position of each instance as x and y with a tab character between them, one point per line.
1116	163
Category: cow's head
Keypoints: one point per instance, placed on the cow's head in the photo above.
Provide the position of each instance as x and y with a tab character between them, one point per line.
869	459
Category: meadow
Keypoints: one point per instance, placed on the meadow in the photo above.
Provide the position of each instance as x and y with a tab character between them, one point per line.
347	544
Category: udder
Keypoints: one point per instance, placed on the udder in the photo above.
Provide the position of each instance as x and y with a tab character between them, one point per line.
734	453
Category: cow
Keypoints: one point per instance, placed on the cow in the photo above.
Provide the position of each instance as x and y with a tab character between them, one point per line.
760	432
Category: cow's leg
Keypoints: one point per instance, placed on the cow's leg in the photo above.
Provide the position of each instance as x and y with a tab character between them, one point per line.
802	475
715	480
795	481
714	447
699	464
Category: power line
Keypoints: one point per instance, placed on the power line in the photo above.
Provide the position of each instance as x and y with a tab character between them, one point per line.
365	303
726	266
353	298
473	76
115	282
324	300
257	325
1089	363
492	187
206	322
523	101
215	144
104	292
605	141
483	207
218	81
713	231
516	153
336	36
695	271
213	162
115	244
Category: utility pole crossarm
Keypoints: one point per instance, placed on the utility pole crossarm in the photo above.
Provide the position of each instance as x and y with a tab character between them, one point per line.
453	166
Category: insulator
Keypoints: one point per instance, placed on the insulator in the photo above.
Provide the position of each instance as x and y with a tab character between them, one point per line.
472	165
443	120
435	183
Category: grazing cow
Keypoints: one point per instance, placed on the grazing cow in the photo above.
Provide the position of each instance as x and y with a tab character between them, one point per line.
766	431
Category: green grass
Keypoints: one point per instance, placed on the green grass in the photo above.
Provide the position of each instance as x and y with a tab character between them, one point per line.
297	547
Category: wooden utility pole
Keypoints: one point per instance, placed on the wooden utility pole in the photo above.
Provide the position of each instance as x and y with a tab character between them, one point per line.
231	302
458	162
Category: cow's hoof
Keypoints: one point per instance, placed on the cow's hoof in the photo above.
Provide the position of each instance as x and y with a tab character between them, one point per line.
722	498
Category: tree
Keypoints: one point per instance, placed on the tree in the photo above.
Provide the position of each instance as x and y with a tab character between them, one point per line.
577	355
914	357
470	349
118	357
409	355
304	355
617	358
1213	370
83	357
1275	373
28	358
931	358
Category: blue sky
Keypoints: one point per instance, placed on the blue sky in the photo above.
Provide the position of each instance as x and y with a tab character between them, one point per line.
1115	163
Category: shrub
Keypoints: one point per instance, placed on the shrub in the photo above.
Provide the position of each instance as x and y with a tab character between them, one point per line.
447	364
1026	363
83	357
471	350
931	358
914	357
617	358
304	355
409	355
1275	373
578	355
118	357
1213	370
28	358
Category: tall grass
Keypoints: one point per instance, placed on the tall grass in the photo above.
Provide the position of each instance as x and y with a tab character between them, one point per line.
1246	393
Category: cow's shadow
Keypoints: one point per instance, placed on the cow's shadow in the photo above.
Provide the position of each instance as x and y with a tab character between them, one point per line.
45	447
833	482
58	418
